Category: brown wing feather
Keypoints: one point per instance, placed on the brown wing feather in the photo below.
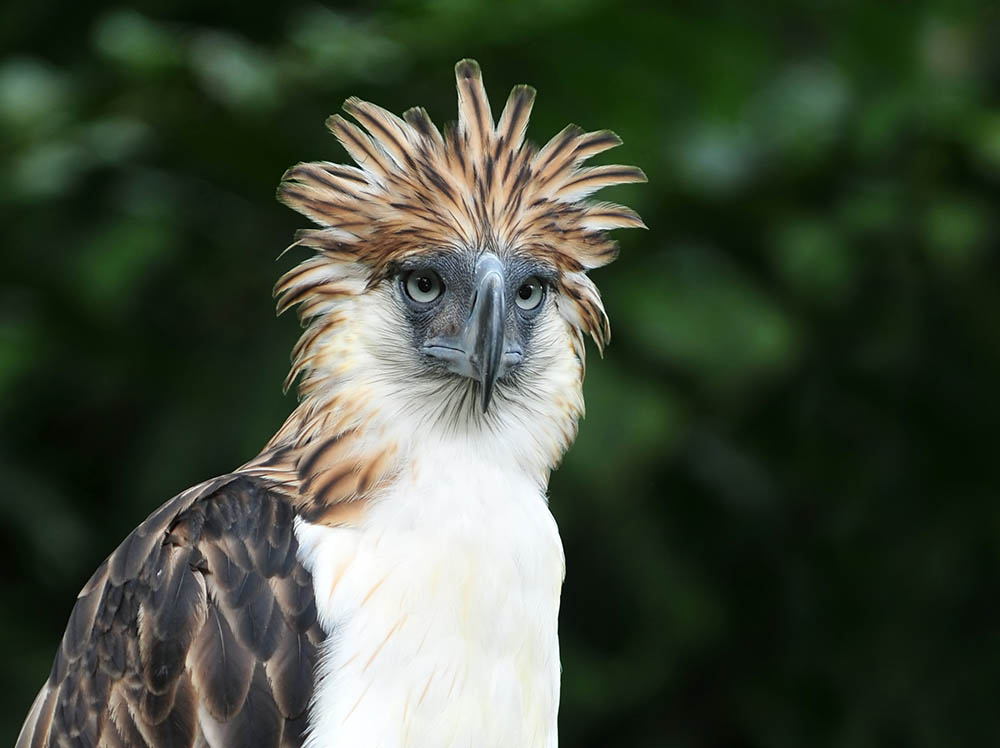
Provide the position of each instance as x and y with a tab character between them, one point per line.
202	621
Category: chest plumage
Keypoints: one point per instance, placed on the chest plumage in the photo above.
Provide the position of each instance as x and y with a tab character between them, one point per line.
441	612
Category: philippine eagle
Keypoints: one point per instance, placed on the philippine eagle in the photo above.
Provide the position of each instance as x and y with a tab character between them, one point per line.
386	571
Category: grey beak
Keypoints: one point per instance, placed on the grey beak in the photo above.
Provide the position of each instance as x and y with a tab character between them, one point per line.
484	333
478	352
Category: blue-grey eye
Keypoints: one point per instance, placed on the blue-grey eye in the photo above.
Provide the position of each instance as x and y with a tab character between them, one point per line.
423	286
529	295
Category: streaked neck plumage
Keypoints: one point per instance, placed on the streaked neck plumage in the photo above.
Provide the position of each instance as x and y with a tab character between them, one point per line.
365	410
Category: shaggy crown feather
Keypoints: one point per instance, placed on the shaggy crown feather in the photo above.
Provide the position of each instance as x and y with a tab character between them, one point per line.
479	184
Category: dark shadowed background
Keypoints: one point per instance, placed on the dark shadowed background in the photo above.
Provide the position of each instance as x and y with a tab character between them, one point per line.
781	517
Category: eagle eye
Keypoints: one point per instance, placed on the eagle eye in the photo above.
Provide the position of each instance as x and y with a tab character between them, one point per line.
423	286
529	295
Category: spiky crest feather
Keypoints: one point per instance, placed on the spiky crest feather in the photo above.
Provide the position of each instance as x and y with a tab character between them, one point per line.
478	185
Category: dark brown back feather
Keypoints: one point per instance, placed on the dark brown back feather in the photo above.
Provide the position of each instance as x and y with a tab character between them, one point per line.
204	606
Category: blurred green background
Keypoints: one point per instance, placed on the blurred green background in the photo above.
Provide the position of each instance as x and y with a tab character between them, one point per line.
781	517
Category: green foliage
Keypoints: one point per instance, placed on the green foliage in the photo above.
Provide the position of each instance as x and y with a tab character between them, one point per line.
781	517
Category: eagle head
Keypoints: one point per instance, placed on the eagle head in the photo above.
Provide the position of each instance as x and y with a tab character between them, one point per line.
448	284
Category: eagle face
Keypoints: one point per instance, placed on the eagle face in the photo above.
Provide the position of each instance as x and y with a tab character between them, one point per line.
470	342
472	315
450	277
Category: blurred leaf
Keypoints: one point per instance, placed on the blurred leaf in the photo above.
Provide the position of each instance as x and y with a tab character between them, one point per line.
813	260
137	43
234	72
338	47
873	207
802	111
956	231
708	318
882	125
112	264
33	97
945	49
19	343
47	170
116	138
986	140
714	159
631	421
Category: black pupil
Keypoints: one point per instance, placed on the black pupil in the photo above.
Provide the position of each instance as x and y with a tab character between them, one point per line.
526	290
424	283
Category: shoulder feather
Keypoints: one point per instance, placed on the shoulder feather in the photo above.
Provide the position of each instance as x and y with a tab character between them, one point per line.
202	620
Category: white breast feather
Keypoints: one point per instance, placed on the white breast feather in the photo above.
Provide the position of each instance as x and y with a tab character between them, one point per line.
441	611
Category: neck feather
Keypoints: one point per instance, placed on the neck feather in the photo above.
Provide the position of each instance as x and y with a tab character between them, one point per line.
363	413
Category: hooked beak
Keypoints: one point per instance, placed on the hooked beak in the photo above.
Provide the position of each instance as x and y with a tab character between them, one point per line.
484	332
478	351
